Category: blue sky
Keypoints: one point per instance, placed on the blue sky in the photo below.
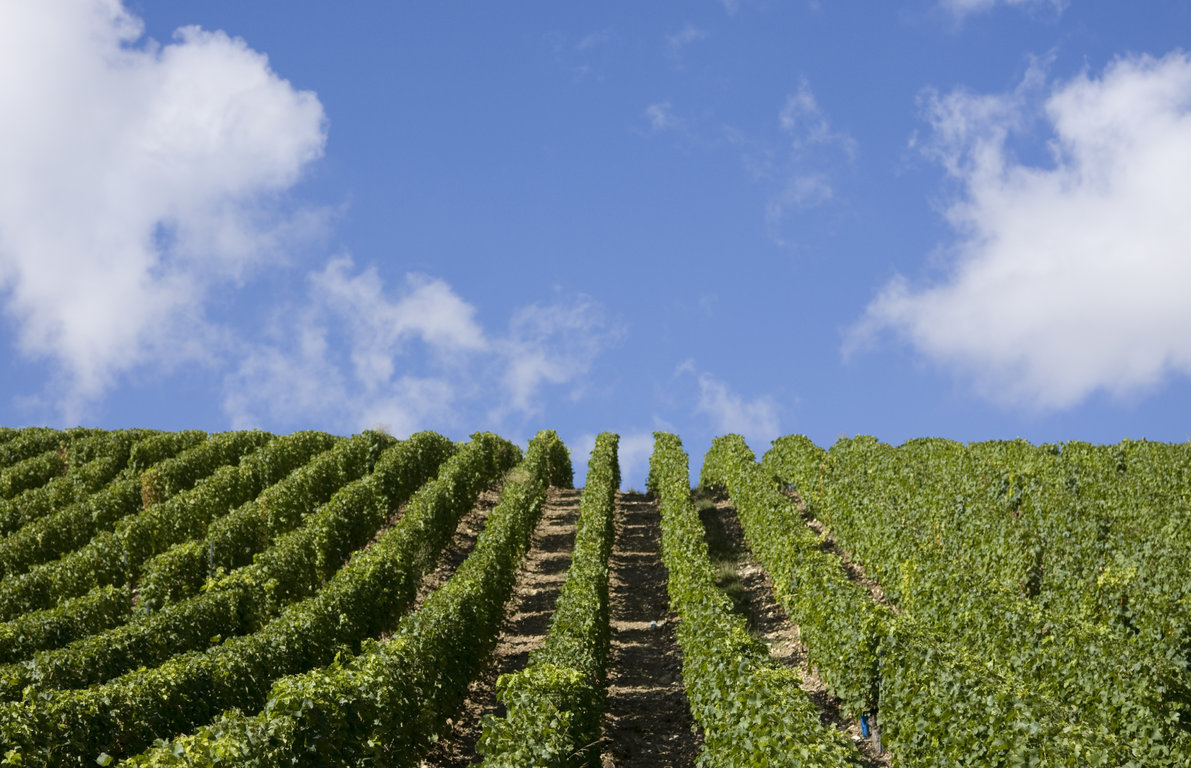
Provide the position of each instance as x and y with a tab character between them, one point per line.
963	218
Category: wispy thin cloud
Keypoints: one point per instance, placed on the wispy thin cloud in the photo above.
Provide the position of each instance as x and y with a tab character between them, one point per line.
357	353
803	120
661	117
962	8
727	411
593	40
678	42
815	154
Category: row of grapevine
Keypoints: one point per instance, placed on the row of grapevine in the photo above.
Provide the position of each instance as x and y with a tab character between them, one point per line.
150	514
838	621
91	463
876	662
34	441
956	544
100	561
751	710
555	706
100	609
124	715
1123	567
231	541
229	600
32	473
72	449
49	627
244	601
386	704
68	517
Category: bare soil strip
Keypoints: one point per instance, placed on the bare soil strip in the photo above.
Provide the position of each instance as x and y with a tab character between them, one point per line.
540	577
461	544
751	590
647	720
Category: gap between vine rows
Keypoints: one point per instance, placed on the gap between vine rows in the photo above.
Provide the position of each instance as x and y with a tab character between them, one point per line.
647	719
539	581
749	586
462	543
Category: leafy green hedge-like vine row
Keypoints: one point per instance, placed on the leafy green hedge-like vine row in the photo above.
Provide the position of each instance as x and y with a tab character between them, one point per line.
160	527
101	608
751	709
90	463
34	441
93	463
84	615
148	511
839	622
32	472
954	542
555	705
44	454
244	601
1127	571
50	534
232	540
875	662
363	598
384	706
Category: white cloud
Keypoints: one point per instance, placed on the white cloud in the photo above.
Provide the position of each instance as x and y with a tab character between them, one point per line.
551	344
1068	278
814	157
801	191
593	40
757	419
344	359
135	177
378	326
279	382
338	359
730	6
634	451
410	405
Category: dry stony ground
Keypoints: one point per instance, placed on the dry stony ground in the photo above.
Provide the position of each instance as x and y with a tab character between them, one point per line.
527	620
647	720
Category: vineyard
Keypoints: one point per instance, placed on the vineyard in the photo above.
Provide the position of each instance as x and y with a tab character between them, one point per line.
246	599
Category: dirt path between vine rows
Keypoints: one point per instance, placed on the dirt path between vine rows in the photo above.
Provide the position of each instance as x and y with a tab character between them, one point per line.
751	590
540	577
462	543
647	719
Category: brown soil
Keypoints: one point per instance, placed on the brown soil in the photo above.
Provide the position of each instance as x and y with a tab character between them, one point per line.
461	544
647	719
540	577
751	590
